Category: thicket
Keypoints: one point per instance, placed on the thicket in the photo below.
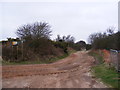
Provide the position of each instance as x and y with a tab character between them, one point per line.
34	44
106	40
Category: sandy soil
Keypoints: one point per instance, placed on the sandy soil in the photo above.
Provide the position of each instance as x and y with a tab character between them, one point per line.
71	72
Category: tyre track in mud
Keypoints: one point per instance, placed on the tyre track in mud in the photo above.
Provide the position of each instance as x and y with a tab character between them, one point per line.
71	72
38	69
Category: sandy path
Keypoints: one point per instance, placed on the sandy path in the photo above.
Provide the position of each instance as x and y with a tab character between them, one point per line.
71	72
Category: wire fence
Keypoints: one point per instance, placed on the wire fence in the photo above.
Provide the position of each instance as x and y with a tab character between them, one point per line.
115	59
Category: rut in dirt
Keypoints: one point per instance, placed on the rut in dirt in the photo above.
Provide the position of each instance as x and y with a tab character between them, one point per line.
71	72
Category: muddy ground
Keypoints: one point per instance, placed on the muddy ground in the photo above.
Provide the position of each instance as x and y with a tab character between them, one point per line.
71	72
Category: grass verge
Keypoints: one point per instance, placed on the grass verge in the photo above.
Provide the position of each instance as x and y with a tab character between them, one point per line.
106	74
97	56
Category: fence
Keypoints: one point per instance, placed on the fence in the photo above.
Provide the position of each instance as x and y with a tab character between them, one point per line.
115	59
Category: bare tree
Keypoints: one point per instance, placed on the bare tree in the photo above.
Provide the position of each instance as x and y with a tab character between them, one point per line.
35	31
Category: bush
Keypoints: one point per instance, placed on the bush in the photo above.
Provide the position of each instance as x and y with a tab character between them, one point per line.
105	40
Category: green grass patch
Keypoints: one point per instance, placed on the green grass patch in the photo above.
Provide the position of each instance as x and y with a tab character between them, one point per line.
106	74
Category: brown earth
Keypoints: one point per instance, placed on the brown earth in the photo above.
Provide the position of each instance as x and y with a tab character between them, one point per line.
106	55
71	72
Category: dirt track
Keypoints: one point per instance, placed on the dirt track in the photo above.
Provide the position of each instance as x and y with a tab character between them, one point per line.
71	72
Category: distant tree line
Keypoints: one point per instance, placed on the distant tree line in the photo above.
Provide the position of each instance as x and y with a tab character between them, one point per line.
34	43
106	40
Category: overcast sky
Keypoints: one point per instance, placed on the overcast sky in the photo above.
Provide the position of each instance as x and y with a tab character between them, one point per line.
77	18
